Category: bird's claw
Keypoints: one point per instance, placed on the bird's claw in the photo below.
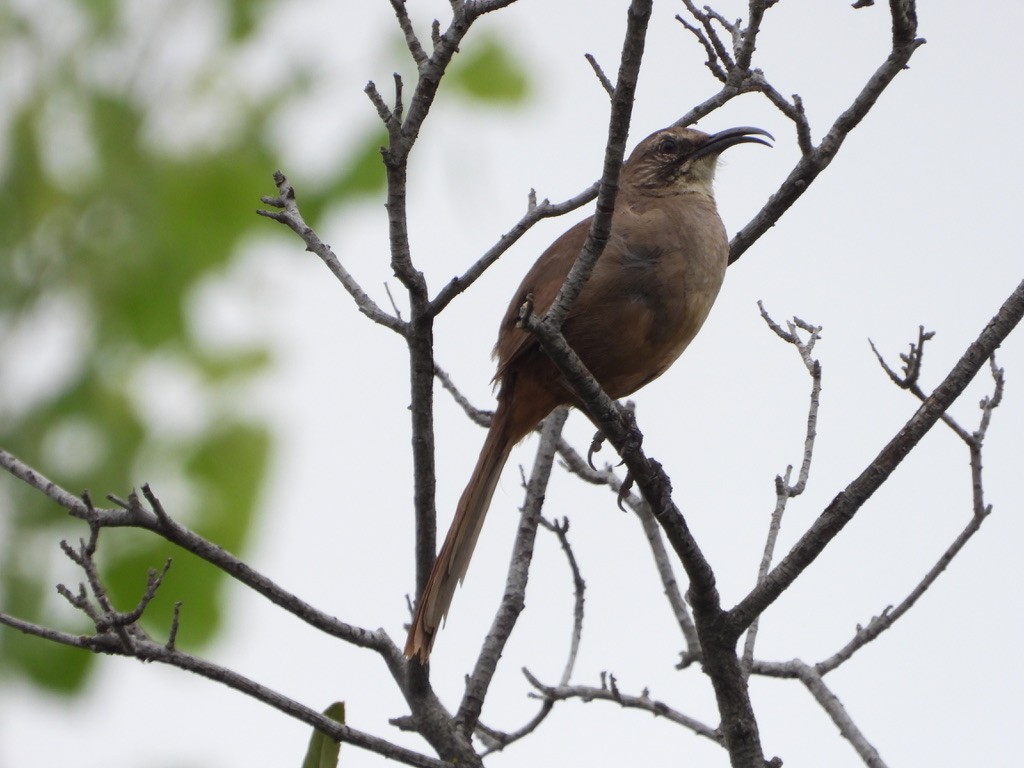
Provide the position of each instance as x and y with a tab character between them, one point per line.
595	446
624	489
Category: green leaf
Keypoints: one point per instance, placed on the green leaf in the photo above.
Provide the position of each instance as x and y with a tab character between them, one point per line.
488	72
323	750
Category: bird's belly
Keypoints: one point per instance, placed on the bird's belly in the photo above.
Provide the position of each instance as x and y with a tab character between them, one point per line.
637	338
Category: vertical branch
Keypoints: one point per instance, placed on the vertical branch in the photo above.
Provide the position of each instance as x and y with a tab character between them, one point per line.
783	490
420	340
748	38
403	123
618	131
419	331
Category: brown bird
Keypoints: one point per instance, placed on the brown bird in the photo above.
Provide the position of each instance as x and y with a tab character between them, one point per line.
647	297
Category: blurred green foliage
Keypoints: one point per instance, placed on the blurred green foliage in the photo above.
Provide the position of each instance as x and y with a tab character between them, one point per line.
107	233
489	72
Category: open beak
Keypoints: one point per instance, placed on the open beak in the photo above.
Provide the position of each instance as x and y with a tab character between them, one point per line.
730	137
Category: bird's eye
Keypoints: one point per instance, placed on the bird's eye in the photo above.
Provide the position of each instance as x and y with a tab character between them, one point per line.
668	146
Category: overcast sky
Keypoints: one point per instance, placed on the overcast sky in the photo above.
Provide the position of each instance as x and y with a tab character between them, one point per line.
915	223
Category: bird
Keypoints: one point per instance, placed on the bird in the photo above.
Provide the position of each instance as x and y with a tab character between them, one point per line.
648	295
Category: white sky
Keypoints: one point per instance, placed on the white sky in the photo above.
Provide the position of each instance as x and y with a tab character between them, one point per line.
913	224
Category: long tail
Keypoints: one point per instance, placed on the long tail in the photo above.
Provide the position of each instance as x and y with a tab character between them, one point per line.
511	422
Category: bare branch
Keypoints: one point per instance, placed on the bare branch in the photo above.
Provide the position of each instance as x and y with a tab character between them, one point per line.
480	7
579	587
479	417
394	304
669	583
841	510
601	76
709	37
399	107
638	16
413	42
889	616
712	62
135	515
495	741
513	601
576	464
172	634
289	215
535	212
498	740
812	679
610	692
748	36
149	651
815	161
41	483
904	21
911	360
910	381
387	117
107	619
784	491
793	110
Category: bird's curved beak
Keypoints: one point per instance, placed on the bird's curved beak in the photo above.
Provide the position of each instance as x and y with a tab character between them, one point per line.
730	137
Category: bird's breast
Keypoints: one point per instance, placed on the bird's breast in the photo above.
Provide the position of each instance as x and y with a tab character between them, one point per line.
650	293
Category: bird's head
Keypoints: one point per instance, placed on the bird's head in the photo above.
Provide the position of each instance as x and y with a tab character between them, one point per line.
675	159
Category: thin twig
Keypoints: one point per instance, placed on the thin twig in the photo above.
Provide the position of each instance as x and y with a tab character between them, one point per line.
843	507
610	692
478	416
535	212
576	464
134	515
601	76
890	615
149	651
814	162
579	587
413	42
497	740
288	214
980	511
811	677
784	491
637	18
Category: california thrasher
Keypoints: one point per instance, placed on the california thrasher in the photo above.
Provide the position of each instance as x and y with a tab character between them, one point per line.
647	297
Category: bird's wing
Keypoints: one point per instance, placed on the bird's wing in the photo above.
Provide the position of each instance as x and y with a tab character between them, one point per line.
544	280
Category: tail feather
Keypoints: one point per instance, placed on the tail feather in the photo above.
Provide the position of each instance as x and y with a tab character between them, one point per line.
453	559
520	409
